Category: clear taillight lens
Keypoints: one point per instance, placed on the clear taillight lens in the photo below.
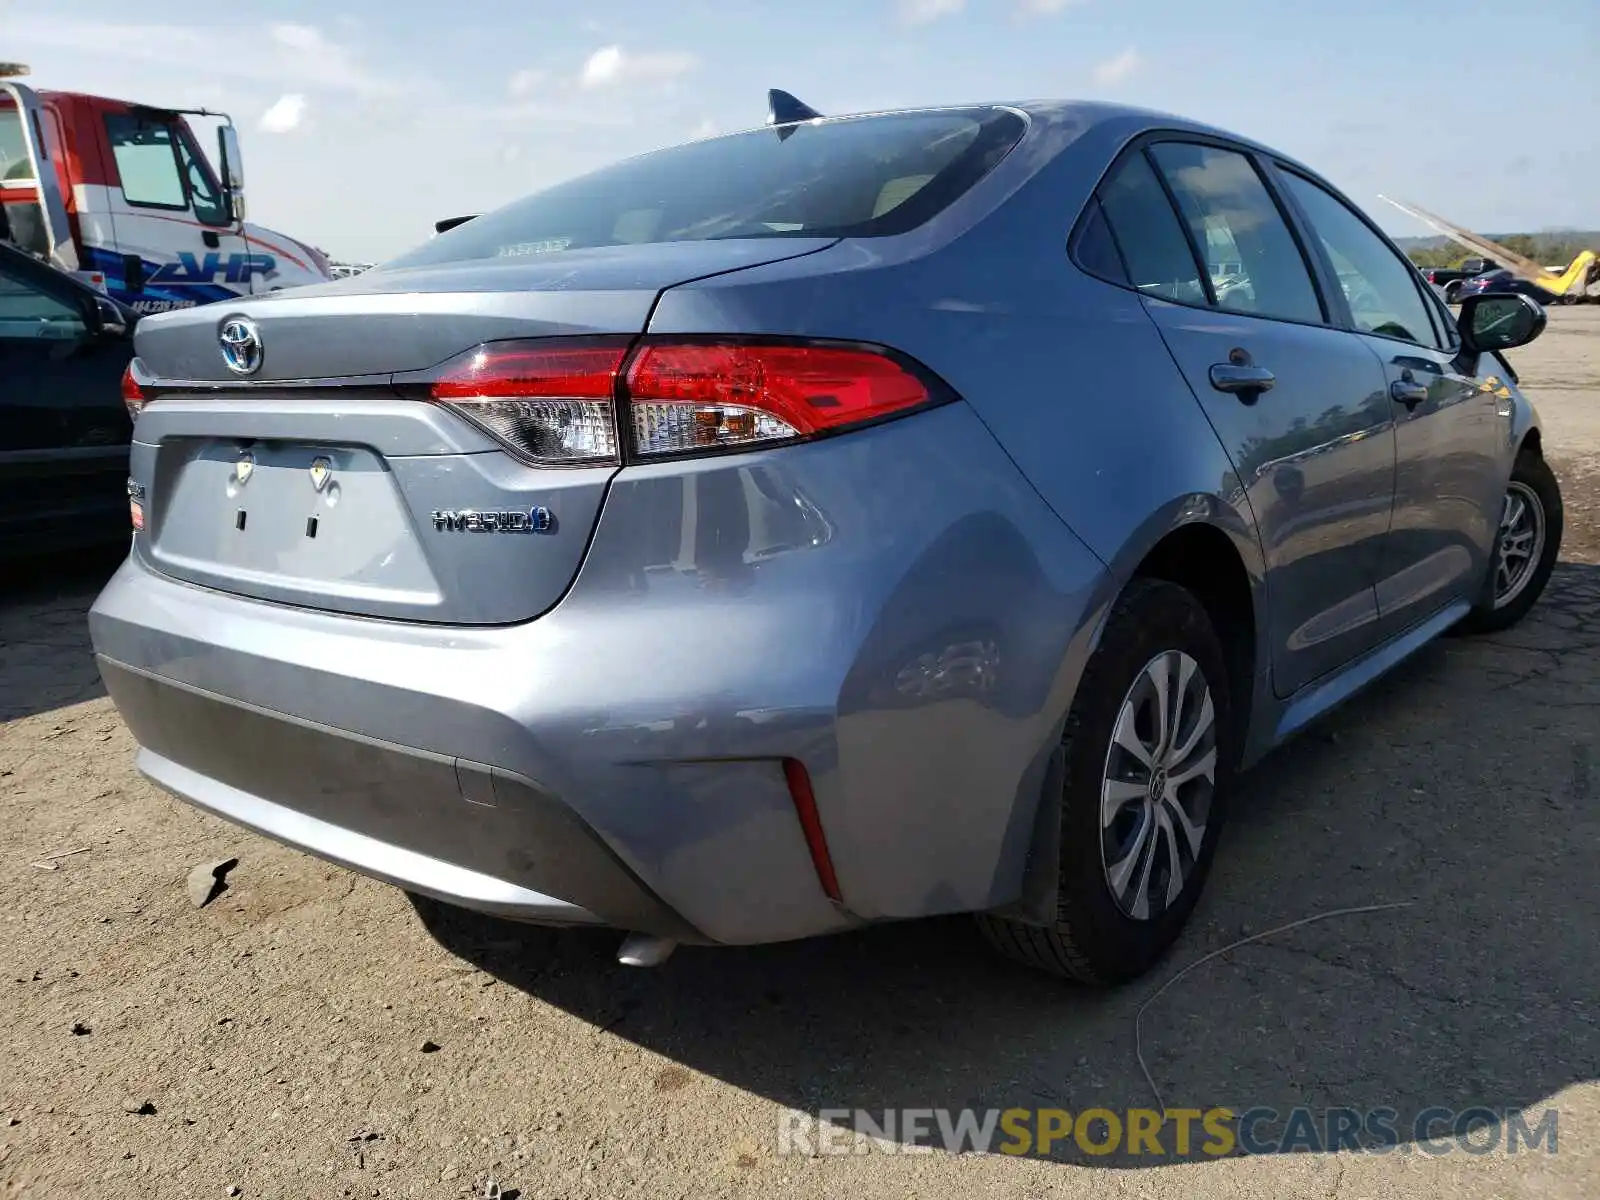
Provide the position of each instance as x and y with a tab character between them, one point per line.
684	397
549	404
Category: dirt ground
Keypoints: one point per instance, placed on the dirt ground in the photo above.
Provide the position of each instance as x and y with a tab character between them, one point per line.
309	1034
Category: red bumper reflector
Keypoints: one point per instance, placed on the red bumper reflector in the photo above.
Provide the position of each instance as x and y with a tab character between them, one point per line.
805	806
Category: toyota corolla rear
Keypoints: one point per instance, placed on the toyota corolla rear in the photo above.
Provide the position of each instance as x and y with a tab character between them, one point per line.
463	574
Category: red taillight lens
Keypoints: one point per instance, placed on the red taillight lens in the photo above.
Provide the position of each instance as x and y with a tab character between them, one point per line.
133	396
686	397
550	404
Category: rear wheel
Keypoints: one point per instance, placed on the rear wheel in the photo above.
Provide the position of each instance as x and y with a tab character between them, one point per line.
1525	550
1148	758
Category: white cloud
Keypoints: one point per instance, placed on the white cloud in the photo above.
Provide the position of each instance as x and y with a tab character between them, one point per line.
920	12
1046	8
525	82
706	128
1115	70
614	65
285	115
280	54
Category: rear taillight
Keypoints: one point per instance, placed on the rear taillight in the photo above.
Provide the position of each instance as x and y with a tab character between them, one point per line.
133	396
550	404
563	403
712	396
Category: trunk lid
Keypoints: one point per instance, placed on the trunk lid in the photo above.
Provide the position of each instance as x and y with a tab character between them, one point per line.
312	482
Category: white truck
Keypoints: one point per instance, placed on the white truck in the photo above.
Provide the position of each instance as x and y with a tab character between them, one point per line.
121	196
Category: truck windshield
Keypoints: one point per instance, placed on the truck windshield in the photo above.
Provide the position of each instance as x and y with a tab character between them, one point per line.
850	177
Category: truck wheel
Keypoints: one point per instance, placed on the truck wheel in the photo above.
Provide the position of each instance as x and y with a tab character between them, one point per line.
1148	760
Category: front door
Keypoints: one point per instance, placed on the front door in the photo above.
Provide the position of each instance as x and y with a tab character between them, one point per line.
1299	405
64	433
175	244
1453	418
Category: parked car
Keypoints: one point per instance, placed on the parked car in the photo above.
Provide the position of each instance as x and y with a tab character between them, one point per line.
63	428
1502	282
1449	279
821	525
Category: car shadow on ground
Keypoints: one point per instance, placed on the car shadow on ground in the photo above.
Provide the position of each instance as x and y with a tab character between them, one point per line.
1459	786
45	659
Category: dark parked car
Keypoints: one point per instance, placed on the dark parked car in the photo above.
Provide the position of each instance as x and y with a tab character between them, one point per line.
1449	279
1502	283
64	430
861	519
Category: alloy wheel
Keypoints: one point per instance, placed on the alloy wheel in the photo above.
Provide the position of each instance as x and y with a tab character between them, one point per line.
1156	791
1522	525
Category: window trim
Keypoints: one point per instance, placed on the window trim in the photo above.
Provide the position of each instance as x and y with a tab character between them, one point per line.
1263	162
1417	284
177	165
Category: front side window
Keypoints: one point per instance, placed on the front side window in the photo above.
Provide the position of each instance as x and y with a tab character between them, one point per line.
28	314
1254	263
1381	288
14	163
850	177
1147	231
147	161
208	206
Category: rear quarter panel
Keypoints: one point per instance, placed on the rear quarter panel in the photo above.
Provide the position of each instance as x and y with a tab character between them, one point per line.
1070	378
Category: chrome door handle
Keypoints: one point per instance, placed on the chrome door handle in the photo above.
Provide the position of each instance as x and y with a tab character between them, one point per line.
1408	391
1241	378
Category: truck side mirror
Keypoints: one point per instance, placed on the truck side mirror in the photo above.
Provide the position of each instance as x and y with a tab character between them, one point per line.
232	163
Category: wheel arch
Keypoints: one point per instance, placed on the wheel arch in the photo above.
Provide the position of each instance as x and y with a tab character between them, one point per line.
1210	548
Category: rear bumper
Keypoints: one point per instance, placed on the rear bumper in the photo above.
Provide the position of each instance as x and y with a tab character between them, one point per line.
228	758
914	641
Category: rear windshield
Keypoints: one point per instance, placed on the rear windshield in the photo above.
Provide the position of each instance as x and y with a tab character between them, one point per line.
854	177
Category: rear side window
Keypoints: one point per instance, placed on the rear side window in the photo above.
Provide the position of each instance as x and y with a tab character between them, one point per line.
1159	261
853	177
1254	263
1382	289
147	162
1097	253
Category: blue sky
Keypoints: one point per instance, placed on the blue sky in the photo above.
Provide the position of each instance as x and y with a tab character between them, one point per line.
365	121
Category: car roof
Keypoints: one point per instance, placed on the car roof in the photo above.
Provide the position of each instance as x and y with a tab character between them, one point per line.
1087	115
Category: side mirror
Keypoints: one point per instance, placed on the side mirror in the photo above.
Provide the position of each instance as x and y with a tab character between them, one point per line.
232	164
1490	323
108	319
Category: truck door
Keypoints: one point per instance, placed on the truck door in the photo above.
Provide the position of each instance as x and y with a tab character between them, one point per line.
175	244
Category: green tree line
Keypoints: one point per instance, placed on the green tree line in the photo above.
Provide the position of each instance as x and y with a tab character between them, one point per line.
1546	250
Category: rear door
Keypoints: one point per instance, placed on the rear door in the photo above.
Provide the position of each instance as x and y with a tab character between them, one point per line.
1452	426
63	429
175	244
1299	405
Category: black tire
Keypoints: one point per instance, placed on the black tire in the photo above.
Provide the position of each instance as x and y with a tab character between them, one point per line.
1534	474
1452	293
1092	940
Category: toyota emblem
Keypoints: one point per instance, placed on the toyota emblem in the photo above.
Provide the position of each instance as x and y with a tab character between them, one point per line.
241	345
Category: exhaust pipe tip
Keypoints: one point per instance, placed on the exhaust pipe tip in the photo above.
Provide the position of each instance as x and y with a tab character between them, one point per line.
645	950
